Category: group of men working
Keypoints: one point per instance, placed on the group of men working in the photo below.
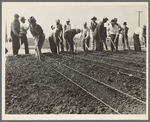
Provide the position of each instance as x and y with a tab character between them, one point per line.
97	34
19	31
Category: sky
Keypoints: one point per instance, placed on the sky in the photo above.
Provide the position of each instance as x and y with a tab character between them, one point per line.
46	13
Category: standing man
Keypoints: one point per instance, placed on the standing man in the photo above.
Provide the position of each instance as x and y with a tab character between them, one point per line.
98	34
86	37
68	35
104	37
15	30
23	32
113	32
66	28
125	36
138	37
52	40
120	29
92	28
59	34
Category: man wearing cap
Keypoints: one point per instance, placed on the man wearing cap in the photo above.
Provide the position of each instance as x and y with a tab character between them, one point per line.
120	29
113	32
92	28
125	36
23	32
66	28
59	34
138	37
98	34
69	35
15	30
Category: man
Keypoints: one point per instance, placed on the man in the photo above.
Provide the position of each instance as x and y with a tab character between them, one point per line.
52	40
66	28
92	28
98	34
23	32
144	35
15	30
113	32
138	37
39	37
69	35
104	37
125	36
86	37
59	34
120	29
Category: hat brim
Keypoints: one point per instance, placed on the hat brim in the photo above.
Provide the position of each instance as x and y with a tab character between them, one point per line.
94	18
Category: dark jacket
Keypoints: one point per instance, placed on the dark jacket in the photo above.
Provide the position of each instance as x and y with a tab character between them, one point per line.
70	33
99	31
37	30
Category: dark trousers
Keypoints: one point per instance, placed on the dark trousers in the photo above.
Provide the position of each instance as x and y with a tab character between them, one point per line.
15	43
52	45
125	40
137	45
111	44
25	41
99	44
59	39
70	44
86	44
104	41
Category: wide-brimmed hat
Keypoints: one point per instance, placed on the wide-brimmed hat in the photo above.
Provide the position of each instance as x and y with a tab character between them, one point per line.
112	21
16	16
32	19
68	20
94	18
125	23
105	18
22	18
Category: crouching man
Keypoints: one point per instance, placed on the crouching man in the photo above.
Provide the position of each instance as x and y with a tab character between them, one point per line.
69	35
37	33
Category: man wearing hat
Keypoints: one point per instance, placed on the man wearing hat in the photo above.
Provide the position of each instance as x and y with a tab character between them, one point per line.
39	37
15	30
138	37
98	34
66	28
69	35
59	34
120	29
23	32
92	28
125	36
113	32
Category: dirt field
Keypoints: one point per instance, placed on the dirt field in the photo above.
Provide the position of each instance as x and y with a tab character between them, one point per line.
92	86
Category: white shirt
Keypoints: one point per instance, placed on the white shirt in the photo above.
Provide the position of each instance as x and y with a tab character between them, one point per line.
23	28
67	27
86	32
139	31
112	30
